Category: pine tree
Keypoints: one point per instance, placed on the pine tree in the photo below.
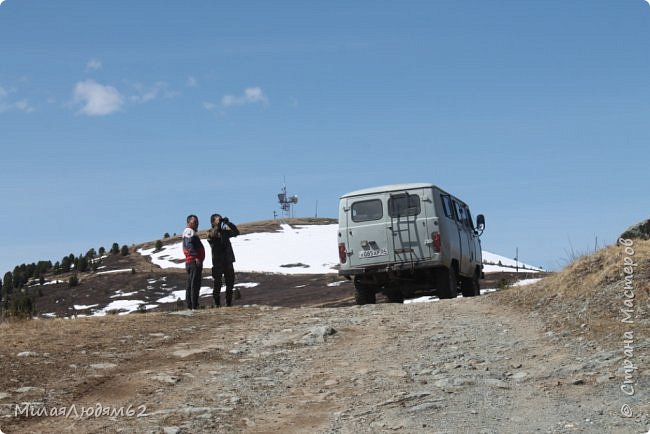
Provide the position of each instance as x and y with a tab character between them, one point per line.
115	249
125	250
82	264
102	251
65	264
159	245
8	282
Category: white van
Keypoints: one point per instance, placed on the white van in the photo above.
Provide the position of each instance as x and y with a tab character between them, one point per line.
405	239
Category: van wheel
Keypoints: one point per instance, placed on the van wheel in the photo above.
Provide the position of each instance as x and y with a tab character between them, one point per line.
364	293
470	286
447	282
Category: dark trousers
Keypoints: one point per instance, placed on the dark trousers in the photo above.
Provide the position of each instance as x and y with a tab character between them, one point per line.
193	287
228	272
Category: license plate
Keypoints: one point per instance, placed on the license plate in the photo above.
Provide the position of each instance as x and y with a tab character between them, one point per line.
372	253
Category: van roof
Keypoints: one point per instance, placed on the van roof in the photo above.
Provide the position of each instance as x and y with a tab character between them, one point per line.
389	188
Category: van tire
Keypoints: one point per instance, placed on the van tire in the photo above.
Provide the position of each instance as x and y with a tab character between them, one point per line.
447	282
470	286
364	293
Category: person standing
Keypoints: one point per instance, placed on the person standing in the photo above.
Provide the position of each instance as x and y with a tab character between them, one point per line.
223	257
194	256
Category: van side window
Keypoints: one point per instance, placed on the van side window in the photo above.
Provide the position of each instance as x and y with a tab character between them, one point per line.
367	210
404	205
470	222
446	206
460	213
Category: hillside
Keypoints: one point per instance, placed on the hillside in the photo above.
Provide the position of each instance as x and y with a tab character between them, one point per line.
600	297
548	357
277	265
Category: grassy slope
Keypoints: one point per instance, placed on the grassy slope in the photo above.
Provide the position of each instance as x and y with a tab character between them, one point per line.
586	297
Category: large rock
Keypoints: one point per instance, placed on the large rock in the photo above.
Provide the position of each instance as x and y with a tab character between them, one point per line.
638	231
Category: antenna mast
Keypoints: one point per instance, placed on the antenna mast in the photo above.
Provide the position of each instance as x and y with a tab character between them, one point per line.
286	201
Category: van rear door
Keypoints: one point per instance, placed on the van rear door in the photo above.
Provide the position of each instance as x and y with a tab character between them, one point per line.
367	231
407	212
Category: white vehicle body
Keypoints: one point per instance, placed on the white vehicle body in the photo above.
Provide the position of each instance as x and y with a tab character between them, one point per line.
405	238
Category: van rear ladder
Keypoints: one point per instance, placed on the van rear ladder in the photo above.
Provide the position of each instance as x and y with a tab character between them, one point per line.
396	225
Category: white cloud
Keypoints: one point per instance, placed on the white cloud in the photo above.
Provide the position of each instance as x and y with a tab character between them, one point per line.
93	65
6	105
192	82
209	105
2	1
24	106
252	95
97	99
150	93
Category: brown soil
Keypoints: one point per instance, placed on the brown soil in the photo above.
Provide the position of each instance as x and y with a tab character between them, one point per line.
295	355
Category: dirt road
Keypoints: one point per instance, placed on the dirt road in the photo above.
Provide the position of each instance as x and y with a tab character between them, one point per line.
454	366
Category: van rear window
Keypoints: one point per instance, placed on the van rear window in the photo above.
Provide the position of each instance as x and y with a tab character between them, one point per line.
367	210
404	205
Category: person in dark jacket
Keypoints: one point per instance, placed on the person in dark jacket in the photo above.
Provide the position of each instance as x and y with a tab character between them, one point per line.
222	257
194	256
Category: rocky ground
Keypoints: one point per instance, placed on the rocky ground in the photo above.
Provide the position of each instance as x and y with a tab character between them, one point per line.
453	366
553	357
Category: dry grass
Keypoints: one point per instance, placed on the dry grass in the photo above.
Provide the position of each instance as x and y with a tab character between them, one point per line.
587	297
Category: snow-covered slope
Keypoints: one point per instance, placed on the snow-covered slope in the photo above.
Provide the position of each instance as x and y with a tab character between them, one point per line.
300	249
307	249
493	262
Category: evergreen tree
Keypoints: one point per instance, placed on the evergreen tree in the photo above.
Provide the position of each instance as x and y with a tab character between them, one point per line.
82	264
8	282
159	245
43	267
166	235
19	276
73	281
115	249
22	306
125	250
102	251
65	264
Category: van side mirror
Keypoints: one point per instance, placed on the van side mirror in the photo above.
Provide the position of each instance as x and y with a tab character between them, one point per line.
480	223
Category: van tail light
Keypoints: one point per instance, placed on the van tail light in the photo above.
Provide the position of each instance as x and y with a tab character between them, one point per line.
435	237
343	257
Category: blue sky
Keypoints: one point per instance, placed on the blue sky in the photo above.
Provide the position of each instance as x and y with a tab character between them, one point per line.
117	119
